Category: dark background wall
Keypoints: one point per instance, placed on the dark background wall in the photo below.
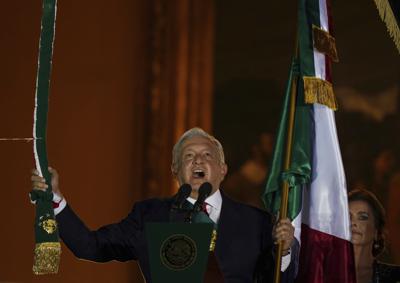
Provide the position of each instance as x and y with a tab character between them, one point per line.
98	77
121	68
254	45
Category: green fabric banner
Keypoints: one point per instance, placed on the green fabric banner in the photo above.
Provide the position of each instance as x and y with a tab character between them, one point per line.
47	249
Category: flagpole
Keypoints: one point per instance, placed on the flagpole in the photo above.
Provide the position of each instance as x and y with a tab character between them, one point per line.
288	153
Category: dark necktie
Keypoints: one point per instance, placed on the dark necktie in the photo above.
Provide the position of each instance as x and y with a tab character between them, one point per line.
204	208
202	216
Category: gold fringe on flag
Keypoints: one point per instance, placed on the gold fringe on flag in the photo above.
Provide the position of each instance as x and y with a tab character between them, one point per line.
319	91
47	258
386	14
325	43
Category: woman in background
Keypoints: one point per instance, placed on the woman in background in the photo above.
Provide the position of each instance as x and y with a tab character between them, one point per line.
367	218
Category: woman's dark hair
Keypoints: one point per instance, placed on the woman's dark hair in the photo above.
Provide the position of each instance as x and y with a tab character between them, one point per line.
379	216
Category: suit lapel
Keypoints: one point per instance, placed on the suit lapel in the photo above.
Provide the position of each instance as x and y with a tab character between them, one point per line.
227	225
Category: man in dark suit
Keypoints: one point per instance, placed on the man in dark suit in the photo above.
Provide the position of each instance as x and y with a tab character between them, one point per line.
245	234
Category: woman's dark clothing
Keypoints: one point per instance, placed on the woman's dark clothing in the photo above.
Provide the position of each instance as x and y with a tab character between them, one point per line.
386	273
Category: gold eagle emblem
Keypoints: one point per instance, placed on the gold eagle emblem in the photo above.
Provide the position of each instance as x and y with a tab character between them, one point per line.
49	225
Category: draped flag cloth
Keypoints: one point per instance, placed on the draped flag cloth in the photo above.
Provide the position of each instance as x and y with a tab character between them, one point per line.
389	11
317	186
48	248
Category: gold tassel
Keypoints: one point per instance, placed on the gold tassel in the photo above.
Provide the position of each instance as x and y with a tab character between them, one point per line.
325	43
386	14
319	91
47	258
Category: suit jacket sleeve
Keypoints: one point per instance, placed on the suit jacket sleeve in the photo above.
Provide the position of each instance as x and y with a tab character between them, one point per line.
266	262
291	272
117	241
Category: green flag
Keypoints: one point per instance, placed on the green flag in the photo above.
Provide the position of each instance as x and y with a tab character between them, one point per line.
311	88
300	168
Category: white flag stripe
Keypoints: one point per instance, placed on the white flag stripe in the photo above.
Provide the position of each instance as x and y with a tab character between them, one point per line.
319	64
326	207
297	223
323	15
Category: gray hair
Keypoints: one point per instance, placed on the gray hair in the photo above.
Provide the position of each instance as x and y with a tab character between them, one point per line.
194	132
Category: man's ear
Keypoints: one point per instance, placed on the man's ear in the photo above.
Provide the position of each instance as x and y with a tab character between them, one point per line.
174	173
224	170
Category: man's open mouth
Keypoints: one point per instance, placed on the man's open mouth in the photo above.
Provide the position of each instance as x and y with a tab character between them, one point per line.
198	173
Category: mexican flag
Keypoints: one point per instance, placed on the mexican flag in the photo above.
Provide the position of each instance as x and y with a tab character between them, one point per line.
317	186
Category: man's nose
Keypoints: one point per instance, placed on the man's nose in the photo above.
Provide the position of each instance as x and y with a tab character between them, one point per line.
198	159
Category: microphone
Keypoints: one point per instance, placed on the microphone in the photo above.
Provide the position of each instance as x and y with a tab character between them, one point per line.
183	193
204	191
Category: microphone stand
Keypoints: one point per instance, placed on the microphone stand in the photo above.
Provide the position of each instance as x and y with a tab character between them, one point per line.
177	208
189	215
177	212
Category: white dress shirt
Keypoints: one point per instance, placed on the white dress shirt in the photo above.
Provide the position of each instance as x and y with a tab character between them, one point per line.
61	203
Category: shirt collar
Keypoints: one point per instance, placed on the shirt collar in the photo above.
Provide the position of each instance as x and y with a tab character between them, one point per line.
215	200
